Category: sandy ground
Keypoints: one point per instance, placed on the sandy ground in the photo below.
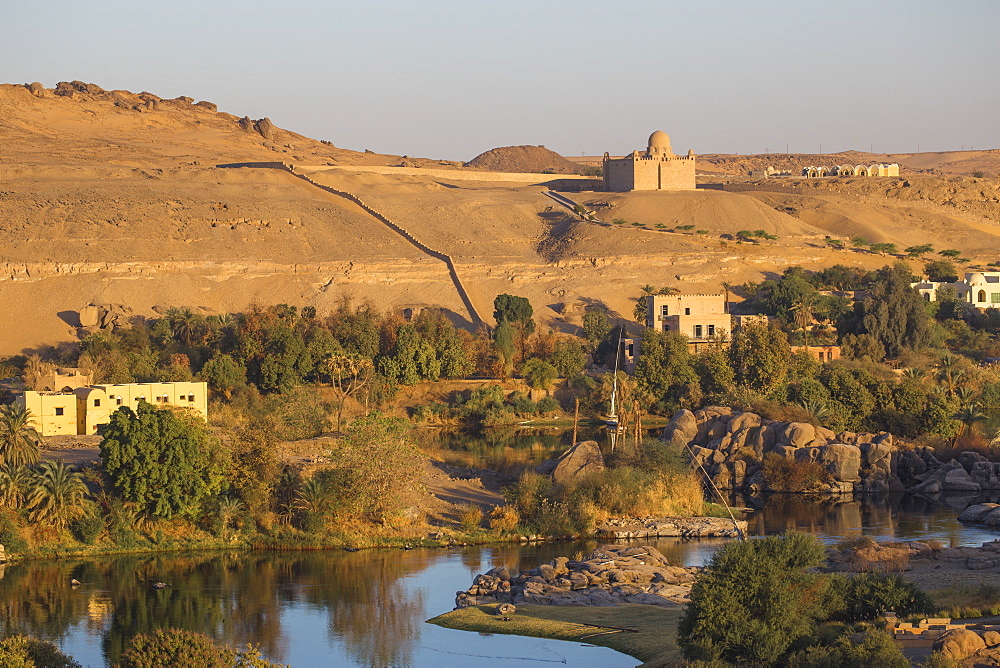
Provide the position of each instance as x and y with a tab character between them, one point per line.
102	203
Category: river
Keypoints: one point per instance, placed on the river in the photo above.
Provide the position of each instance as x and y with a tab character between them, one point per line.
368	608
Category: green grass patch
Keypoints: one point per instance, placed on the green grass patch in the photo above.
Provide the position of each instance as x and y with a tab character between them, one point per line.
967	601
655	642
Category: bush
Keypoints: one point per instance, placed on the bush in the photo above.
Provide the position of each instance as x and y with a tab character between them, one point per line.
88	528
788	475
26	652
547	405
11	536
868	596
504	519
470	517
876	649
755	601
176	647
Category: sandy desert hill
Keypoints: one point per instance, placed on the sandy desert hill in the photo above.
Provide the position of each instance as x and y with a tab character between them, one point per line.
537	159
101	202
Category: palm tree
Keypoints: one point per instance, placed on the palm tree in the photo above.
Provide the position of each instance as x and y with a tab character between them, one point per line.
968	415
965	394
914	373
228	509
19	441
313	496
14	482
818	409
803	308
56	494
949	373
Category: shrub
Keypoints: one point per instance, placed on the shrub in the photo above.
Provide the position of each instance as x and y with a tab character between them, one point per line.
11	536
867	596
755	600
27	652
88	528
176	647
547	405
788	475
504	519
875	649
470	517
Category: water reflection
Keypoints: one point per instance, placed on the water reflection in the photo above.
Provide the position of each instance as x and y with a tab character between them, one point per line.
368	608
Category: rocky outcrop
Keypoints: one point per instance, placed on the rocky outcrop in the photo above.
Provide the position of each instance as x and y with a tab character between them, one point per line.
608	576
685	527
730	445
580	460
37	89
957	644
104	316
265	127
987	513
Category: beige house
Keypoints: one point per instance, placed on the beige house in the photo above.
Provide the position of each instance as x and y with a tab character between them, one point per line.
656	168
85	409
701	318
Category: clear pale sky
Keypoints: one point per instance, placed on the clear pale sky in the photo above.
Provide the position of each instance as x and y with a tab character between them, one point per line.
450	79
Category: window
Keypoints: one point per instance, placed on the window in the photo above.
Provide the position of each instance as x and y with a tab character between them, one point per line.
982	296
995	298
97	402
142	397
190	397
711	330
664	310
118	401
687	311
697	331
59	410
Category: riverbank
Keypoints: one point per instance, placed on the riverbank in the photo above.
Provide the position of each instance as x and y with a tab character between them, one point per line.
651	638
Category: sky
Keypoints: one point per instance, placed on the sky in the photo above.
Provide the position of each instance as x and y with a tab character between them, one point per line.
451	79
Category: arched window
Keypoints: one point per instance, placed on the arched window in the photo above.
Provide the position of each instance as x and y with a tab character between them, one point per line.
981	297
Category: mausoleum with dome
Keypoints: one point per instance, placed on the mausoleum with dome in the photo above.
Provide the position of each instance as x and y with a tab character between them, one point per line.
656	168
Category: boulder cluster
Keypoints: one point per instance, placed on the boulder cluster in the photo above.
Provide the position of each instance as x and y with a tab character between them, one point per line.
987	513
961	645
730	445
104	316
608	576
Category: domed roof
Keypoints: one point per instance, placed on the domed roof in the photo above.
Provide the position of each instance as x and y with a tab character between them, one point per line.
659	139
977	279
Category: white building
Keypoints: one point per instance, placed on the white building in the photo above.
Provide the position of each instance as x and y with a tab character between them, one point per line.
981	289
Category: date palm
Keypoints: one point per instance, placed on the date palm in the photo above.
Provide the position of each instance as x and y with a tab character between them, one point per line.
19	441
969	414
56	494
14	483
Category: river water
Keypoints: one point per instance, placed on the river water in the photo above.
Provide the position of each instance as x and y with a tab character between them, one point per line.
368	608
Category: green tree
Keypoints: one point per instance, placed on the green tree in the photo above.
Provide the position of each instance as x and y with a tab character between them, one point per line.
19	441
596	326
760	357
568	358
941	271
164	461
918	251
513	309
950	252
538	373
56	494
377	467
665	370
224	374
884	248
755	601
893	312
411	358
504	347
